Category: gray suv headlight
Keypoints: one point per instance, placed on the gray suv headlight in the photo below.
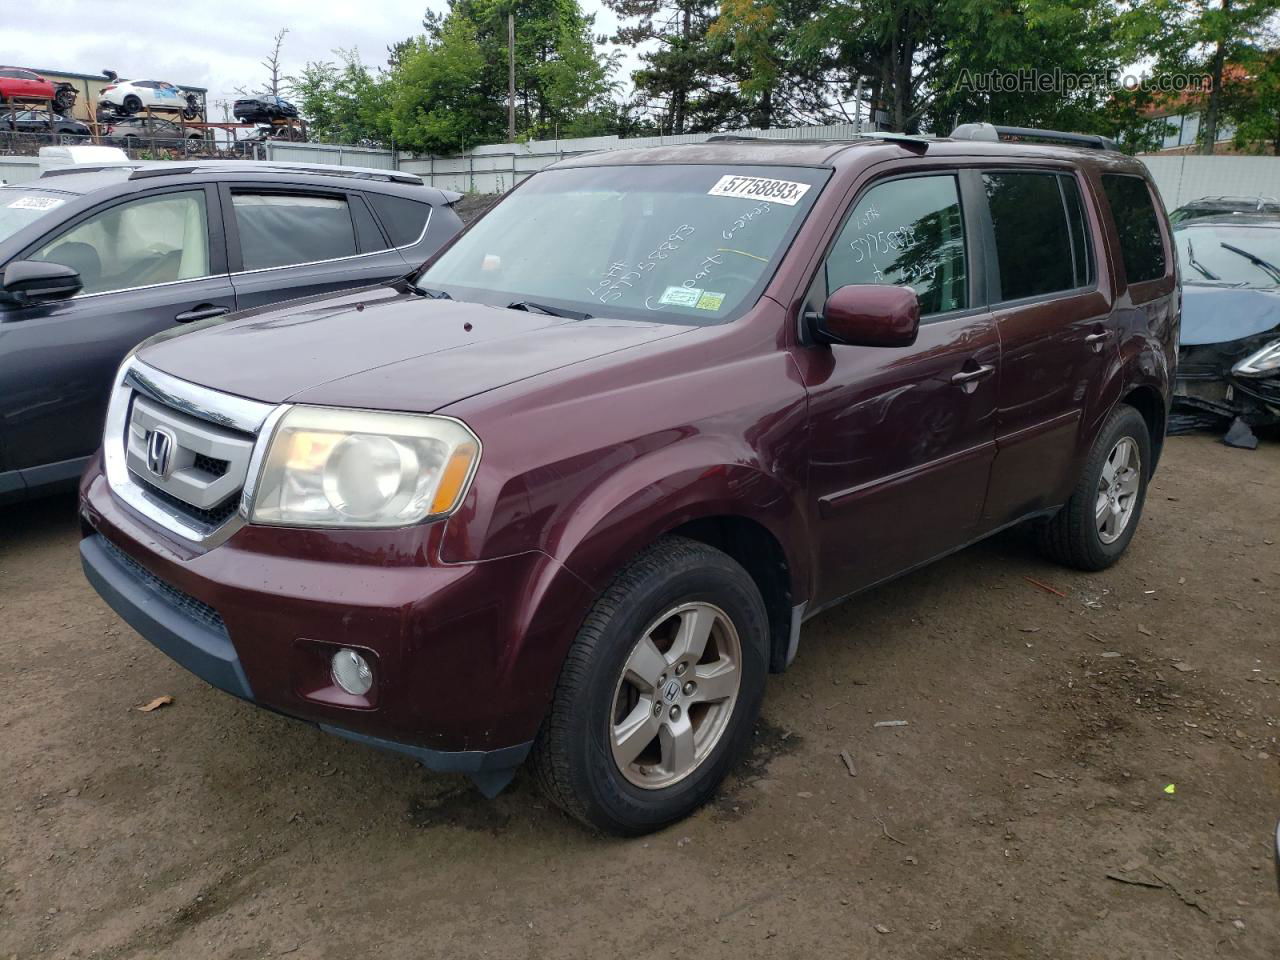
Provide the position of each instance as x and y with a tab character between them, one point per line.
332	467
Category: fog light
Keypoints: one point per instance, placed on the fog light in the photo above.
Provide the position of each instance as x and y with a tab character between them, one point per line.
352	672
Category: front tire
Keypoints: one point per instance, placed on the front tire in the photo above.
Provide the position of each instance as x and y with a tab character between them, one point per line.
659	692
1095	525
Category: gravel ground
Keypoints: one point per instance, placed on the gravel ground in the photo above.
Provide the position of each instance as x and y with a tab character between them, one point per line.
1043	734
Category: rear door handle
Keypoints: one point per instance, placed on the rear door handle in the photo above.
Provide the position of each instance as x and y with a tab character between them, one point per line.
202	311
972	376
1097	339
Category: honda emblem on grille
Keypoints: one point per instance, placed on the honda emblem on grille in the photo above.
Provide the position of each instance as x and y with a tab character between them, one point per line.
159	451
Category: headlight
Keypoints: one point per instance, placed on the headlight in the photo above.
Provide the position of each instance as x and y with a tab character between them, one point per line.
1261	364
328	467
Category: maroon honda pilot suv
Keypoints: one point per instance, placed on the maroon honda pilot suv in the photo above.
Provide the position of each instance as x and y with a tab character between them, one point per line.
570	493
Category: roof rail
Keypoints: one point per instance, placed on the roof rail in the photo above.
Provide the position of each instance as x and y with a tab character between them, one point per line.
993	134
911	142
143	172
331	170
86	168
315	169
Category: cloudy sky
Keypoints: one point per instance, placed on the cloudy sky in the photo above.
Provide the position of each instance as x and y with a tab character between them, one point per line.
182	44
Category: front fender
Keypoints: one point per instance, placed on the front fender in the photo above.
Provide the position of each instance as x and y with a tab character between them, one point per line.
628	511
613	523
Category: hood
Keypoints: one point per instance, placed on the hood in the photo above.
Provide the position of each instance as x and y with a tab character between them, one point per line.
385	349
1221	314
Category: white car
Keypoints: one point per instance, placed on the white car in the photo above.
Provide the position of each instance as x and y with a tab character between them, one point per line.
131	96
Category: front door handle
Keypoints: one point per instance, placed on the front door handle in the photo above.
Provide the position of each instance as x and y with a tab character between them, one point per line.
201	311
965	377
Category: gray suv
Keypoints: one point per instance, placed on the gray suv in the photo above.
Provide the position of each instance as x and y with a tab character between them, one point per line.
95	260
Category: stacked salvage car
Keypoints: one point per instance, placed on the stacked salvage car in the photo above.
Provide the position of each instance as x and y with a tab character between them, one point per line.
35	108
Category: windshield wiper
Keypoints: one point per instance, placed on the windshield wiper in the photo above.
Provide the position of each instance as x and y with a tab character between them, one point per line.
1269	268
1191	259
533	307
429	293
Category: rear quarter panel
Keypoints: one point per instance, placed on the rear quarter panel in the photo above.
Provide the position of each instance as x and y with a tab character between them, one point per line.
1147	314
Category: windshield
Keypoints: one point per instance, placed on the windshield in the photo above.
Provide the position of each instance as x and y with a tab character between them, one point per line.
1232	255
679	243
20	206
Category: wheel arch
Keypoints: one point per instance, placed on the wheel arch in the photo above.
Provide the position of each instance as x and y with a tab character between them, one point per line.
738	509
1149	402
754	547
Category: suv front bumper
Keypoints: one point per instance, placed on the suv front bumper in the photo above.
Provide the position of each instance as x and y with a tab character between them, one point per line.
463	675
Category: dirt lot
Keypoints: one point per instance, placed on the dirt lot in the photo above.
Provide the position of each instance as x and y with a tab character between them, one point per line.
1042	735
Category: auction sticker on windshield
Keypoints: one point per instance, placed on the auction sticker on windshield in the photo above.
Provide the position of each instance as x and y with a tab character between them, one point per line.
681	296
788	192
36	203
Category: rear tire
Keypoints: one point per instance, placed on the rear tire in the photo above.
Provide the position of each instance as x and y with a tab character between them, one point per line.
1099	520
132	104
690	721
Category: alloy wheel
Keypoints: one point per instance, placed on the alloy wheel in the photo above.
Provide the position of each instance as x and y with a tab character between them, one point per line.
1118	488
676	695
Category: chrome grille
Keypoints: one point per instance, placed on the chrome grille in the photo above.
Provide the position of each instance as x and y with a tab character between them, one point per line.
181	454
212	518
170	452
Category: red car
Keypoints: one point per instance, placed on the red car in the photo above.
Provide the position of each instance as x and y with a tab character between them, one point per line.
571	493
18	83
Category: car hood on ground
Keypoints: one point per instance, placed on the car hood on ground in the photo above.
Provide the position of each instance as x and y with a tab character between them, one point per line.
1220	314
385	349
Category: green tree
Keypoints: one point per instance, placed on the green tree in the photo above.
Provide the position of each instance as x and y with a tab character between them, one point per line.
777	82
1204	36
687	81
560	76
435	100
1251	101
343	102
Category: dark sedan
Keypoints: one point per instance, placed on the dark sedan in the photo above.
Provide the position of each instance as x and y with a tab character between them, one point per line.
1229	357
92	261
41	122
263	109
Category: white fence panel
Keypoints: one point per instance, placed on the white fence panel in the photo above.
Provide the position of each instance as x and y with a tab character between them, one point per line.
1185	178
330	153
19	169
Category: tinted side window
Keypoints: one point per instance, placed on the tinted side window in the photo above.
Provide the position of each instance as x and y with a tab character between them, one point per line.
367	232
404	219
278	229
1138	226
153	240
1033	241
1081	241
908	233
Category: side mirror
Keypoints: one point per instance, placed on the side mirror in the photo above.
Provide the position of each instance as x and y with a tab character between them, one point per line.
35	281
869	315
